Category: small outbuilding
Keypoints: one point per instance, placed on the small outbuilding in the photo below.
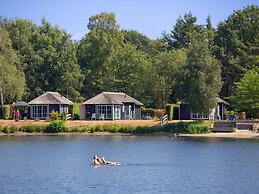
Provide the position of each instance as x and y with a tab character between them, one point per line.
41	106
217	113
111	106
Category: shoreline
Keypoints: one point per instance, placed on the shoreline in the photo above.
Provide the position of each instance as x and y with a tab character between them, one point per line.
239	134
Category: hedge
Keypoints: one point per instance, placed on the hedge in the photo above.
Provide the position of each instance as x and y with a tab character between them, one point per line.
169	109
75	111
5	112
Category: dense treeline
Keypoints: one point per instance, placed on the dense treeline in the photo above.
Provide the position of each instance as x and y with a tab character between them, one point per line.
192	63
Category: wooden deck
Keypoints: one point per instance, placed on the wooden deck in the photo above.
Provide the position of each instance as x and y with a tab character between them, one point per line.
224	126
231	126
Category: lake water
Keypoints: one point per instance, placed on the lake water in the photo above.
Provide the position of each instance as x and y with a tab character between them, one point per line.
58	164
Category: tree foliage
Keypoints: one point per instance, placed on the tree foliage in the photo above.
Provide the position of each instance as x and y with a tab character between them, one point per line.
130	72
179	66
48	58
199	82
184	32
12	82
166	66
238	46
247	95
95	49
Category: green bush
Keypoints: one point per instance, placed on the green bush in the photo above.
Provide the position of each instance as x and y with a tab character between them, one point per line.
54	115
149	111
1	128
112	128
40	128
6	129
29	129
5	112
63	116
76	116
75	111
169	109
198	129
56	127
13	129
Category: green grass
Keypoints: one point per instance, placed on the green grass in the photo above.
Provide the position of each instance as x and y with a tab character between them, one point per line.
59	126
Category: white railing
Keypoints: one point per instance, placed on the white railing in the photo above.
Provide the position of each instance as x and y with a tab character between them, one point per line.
68	116
163	119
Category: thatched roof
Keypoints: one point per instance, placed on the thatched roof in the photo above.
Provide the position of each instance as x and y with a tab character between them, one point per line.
112	98
219	100
50	98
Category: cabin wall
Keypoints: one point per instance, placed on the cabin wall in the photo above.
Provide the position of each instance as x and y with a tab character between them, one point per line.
185	112
137	112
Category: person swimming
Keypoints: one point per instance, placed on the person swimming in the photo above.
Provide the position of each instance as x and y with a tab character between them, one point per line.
101	161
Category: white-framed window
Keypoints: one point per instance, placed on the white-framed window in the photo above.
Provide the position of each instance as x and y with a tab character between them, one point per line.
104	111
199	116
64	108
117	112
39	111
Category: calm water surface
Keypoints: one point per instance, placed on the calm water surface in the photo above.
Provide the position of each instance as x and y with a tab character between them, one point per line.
151	165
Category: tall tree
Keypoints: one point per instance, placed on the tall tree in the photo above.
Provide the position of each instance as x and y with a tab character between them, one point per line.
24	34
247	95
95	49
167	65
139	40
199	80
12	80
48	58
184	32
238	46
130	72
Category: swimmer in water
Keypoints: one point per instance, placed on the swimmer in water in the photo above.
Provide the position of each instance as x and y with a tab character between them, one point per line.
102	161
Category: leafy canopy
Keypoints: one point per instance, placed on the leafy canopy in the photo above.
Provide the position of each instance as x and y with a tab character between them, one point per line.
247	95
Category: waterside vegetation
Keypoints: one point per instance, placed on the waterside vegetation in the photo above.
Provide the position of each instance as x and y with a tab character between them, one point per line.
59	126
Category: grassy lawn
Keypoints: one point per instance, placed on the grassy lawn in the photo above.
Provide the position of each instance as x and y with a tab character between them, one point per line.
79	123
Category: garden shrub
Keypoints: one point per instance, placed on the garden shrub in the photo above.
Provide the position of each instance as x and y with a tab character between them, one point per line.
169	109
198	128
56	127
54	115
13	129
63	116
76	116
40	128
149	111
28	129
6	129
75	111
159	112
140	129
5	112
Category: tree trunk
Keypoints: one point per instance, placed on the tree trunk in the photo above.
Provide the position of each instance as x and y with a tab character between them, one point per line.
1	97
